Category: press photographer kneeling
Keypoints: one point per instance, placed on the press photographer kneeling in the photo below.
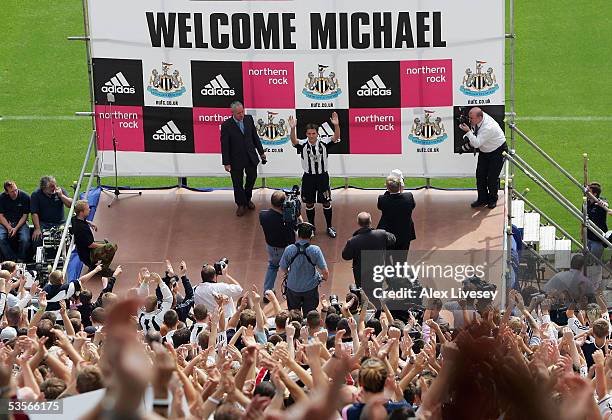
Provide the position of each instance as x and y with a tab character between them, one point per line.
90	251
485	134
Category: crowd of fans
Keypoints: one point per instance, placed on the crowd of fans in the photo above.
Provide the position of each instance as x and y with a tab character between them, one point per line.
220	352
172	347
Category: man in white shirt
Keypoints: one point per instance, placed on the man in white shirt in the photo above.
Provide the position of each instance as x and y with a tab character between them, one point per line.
485	134
207	292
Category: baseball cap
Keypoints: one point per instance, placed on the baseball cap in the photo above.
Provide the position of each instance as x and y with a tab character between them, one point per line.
7	334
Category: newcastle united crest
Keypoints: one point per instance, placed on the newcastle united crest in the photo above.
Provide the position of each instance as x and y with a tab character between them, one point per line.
428	132
479	83
166	85
272	133
322	87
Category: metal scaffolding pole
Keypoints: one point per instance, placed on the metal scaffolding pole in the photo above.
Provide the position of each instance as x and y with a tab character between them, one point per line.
509	170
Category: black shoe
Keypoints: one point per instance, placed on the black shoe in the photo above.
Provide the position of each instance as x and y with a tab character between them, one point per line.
251	205
240	211
478	203
331	232
492	204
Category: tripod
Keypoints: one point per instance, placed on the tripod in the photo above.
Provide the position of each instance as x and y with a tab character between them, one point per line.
116	193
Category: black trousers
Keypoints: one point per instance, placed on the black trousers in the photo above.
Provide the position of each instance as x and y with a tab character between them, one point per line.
243	189
306	301
487	174
400	251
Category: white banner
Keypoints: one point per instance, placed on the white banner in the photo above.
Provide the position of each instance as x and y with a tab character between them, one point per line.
398	74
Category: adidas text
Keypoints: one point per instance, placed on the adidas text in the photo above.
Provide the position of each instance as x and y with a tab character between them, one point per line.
170	137
374	92
118	89
217	92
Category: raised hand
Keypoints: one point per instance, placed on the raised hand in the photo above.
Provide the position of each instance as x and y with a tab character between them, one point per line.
183	269
324	301
304	334
394	333
169	268
334	118
34	288
348	305
117	271
312	350
62	304
42	299
322	336
156	278
289	329
144	275
256	296
292	122
248	336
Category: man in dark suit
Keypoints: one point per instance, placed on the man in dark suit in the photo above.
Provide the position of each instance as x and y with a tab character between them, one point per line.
240	146
396	207
366	239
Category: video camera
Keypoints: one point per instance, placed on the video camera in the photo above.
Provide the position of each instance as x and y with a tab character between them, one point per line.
45	254
292	207
480	285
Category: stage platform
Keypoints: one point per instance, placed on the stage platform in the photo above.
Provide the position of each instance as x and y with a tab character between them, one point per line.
201	227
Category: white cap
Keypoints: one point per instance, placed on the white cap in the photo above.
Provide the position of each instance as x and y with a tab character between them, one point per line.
8	333
398	173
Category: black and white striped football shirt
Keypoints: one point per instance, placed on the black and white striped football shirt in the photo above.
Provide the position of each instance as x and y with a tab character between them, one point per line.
314	156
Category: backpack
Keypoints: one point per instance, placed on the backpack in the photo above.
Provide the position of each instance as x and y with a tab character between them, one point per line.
301	250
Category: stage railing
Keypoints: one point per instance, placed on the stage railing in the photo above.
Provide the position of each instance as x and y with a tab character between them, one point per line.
562	200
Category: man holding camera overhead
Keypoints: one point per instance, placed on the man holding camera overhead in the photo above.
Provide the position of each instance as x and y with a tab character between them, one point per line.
484	133
315	181
212	292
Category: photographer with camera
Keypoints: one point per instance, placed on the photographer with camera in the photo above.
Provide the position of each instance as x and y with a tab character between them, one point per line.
305	268
211	290
315	181
278	233
485	134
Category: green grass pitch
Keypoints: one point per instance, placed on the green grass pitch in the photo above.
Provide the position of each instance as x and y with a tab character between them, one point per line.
563	65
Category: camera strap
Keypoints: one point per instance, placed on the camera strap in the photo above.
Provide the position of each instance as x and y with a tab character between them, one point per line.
301	250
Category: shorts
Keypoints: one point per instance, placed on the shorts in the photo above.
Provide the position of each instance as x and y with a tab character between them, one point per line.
315	188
